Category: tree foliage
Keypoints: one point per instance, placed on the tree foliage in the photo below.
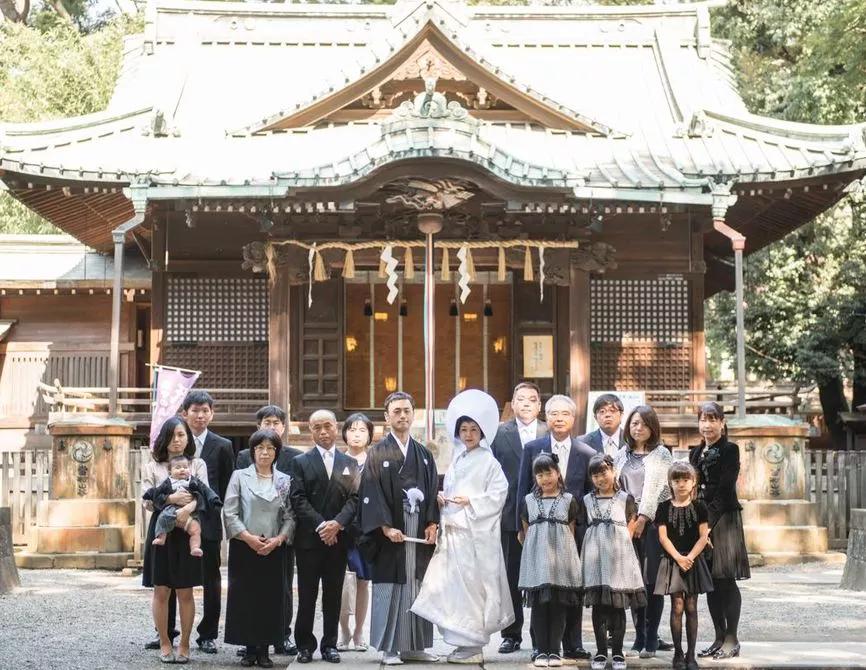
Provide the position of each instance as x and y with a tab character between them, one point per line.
50	72
801	60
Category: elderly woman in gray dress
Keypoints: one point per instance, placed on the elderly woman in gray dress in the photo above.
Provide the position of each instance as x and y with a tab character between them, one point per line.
260	523
642	472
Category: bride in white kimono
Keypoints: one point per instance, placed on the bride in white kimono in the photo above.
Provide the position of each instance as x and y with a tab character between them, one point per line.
465	589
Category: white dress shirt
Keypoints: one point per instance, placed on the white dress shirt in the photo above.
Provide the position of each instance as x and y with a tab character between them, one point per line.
527	431
403	447
561	449
199	442
610	443
328	458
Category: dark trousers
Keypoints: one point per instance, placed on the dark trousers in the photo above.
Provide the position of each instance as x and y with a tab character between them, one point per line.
572	637
328	565
289	586
208	627
646	622
548	625
511	552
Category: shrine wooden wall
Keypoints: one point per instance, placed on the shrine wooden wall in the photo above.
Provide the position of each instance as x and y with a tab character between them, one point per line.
65	337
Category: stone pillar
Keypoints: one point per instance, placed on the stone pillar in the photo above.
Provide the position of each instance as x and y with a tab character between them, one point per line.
854	576
780	523
89	519
8	570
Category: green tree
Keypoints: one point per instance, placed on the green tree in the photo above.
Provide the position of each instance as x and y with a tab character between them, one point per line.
51	72
805	304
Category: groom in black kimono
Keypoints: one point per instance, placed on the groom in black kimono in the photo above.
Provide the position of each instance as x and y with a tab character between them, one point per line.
398	500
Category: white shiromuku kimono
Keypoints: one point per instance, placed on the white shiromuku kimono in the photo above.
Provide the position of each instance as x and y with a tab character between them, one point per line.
465	590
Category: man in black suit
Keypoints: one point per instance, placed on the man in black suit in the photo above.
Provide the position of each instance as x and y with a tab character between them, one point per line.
272	417
507	448
607	438
574	456
325	499
219	457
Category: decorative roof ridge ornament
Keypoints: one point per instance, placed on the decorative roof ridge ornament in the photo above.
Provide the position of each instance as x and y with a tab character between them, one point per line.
431	104
698	126
161	125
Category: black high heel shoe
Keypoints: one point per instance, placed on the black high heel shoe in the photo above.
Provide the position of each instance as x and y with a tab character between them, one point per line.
727	653
711	650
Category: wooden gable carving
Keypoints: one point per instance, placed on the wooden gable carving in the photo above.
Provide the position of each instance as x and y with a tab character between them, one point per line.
483	89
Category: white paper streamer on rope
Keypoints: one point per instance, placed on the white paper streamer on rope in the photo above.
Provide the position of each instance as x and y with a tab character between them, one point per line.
463	271
311	257
541	272
391	263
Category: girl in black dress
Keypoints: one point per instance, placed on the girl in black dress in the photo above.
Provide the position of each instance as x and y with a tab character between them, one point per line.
718	464
683	573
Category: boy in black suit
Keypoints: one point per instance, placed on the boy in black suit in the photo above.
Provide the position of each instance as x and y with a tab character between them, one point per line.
325	499
219	457
607	439
507	448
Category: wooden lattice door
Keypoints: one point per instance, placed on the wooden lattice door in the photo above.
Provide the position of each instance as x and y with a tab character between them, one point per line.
219	325
639	334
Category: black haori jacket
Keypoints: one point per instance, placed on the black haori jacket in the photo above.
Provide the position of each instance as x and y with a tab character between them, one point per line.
718	470
385	477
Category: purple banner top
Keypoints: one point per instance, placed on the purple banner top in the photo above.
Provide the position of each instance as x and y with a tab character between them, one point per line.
171	388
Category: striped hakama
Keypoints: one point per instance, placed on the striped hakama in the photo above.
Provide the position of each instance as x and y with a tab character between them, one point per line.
393	628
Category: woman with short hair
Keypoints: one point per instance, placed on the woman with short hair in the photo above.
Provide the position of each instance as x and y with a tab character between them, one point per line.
259	523
642	472
357	435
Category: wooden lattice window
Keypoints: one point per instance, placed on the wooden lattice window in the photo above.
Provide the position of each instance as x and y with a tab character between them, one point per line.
639	333
219	325
217	309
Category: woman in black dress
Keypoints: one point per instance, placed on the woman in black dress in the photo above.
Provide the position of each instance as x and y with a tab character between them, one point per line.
260	523
170	566
718	464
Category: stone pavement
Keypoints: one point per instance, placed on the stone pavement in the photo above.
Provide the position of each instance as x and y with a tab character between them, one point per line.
793	617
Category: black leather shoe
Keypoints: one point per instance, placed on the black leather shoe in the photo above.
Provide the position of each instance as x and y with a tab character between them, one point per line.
509	646
331	655
154	643
264	660
534	655
576	654
248	660
665	646
291	648
305	656
207	646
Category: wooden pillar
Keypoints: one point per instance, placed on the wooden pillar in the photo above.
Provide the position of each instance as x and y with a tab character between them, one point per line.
578	322
696	314
278	347
158	291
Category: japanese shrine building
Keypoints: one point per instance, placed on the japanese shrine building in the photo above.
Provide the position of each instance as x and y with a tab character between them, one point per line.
611	141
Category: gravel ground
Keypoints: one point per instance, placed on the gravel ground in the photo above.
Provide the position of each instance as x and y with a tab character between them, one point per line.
68	619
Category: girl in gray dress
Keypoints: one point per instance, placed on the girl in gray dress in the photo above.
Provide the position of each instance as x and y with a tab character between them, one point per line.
612	578
549	565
